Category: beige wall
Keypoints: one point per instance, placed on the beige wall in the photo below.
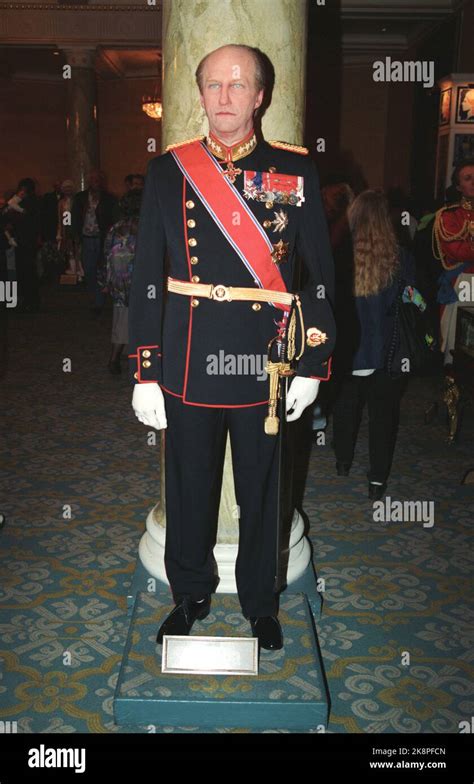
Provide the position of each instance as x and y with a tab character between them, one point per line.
364	122
376	127
32	130
399	134
124	129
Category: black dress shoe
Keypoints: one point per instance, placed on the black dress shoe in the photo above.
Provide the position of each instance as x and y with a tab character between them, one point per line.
343	468
268	630
181	619
376	492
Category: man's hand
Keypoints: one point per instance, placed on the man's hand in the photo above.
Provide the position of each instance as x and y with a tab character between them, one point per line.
302	392
149	405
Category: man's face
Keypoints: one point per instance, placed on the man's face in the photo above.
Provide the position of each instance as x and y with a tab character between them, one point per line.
229	95
137	183
466	182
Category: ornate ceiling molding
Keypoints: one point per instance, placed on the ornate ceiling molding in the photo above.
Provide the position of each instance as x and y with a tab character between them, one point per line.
32	23
143	9
401	9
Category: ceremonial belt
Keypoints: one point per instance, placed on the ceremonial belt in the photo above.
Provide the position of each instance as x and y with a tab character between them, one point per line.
220	293
223	202
276	370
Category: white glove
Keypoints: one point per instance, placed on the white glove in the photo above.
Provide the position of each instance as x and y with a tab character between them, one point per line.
149	405
302	392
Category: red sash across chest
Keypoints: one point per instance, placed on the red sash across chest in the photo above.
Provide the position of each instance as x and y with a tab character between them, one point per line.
224	202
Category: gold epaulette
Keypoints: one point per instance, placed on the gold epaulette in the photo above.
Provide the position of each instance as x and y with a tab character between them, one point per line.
440	232
448	207
290	147
187	141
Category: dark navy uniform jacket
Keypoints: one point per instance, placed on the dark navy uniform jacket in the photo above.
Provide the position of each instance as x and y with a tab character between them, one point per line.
177	340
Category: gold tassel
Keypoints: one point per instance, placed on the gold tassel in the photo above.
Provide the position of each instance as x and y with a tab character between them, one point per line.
275	370
272	422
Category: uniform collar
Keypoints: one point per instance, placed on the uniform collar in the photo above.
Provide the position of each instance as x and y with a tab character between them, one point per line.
236	151
467	204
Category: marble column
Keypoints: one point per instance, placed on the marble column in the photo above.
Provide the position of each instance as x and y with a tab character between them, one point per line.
191	30
81	117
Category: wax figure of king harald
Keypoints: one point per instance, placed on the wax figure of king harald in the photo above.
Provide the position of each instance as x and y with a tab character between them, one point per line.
222	222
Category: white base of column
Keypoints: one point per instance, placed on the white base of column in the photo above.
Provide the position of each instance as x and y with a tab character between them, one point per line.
152	550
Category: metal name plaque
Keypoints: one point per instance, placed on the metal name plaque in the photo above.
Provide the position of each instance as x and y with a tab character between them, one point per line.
209	655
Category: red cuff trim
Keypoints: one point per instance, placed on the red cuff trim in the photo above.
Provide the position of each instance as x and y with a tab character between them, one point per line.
321	378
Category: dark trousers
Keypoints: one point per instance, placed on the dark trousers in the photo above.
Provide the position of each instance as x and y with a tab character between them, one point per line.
382	393
27	276
194	457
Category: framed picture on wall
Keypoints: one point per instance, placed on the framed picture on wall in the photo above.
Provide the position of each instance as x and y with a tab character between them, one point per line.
463	147
445	106
465	104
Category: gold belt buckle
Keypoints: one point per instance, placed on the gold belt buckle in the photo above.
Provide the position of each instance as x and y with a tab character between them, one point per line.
220	293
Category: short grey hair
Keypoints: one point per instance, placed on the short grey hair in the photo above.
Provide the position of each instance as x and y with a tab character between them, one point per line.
260	80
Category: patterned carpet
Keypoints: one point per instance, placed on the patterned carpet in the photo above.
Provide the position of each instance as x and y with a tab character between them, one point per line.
396	627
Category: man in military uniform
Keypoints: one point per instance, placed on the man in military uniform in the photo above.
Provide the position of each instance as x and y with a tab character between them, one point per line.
453	245
229	214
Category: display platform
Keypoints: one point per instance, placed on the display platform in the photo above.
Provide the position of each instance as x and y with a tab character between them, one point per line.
288	693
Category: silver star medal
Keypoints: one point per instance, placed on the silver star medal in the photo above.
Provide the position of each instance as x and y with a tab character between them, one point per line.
281	221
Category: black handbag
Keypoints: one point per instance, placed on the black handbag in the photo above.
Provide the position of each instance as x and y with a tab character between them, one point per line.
412	349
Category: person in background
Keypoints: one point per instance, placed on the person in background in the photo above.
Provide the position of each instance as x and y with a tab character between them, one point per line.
119	252
65	239
49	213
378	263
48	257
24	216
453	247
93	213
134	182
337	198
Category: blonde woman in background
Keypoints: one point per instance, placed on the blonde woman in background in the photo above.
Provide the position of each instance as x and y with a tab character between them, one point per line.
365	324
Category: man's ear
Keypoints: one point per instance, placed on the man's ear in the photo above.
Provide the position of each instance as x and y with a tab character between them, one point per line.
201	99
259	99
